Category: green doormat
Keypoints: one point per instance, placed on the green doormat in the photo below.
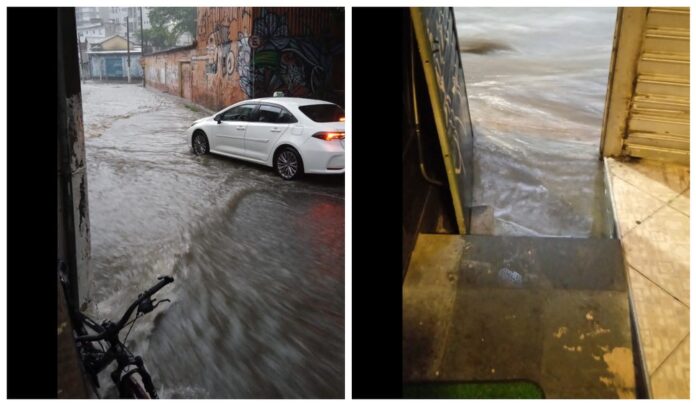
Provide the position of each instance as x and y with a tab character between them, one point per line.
474	390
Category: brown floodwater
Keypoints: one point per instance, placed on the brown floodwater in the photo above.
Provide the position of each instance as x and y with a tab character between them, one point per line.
536	80
258	298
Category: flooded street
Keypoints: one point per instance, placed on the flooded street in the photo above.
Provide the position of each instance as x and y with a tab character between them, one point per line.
258	298
536	81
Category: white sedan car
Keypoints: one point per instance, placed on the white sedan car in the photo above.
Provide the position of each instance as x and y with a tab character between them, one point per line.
293	135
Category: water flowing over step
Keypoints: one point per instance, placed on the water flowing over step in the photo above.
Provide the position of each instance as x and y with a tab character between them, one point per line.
554	311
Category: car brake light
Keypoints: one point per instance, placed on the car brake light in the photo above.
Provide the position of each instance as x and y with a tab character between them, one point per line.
329	136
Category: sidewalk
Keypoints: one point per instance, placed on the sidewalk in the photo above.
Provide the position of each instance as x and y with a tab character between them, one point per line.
651	208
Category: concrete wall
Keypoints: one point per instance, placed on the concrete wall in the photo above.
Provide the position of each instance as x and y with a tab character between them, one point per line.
74	246
243	53
99	71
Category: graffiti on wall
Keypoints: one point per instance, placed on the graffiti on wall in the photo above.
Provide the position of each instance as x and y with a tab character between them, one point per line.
210	18
226	56
270	59
227	45
244	63
217	49
441	34
297	66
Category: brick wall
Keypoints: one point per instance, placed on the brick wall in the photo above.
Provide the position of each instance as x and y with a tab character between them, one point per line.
221	70
162	70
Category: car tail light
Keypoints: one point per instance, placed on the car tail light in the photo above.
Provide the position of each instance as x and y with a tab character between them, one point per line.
342	119
329	136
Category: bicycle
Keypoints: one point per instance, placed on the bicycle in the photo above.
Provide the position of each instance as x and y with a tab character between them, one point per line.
130	376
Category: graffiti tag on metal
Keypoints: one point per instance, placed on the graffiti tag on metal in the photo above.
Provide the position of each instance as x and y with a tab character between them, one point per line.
443	44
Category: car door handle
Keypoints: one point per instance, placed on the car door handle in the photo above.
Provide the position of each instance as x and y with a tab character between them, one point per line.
241	128
276	131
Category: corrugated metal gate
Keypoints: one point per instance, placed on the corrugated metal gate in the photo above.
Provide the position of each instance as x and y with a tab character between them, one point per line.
114	68
647	110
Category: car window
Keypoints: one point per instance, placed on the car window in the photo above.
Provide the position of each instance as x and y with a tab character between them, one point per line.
268	114
323	113
240	113
286	117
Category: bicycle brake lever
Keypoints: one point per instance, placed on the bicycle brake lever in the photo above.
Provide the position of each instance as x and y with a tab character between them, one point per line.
149	305
163	300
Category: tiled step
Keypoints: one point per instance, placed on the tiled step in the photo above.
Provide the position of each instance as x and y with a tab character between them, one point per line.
551	310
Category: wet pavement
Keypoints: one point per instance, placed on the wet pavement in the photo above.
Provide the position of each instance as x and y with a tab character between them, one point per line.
258	299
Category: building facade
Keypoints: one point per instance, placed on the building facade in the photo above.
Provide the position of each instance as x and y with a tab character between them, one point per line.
87	15
91	32
97	23
243	53
109	60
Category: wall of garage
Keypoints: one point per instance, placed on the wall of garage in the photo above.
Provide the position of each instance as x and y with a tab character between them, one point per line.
106	66
243	53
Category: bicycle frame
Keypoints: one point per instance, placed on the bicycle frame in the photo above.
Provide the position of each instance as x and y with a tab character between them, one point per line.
95	360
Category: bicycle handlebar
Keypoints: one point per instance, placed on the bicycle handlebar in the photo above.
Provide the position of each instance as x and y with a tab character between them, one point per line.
164	280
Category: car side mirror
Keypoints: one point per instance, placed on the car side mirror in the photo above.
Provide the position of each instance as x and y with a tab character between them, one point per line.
218	118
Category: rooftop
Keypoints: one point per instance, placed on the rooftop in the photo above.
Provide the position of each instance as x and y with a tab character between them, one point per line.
119	51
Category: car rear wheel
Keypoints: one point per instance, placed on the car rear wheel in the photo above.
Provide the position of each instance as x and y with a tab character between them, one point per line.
200	143
288	163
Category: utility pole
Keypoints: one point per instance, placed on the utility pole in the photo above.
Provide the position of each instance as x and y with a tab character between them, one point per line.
128	47
79	59
142	43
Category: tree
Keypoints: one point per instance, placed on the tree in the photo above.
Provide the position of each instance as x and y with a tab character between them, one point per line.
178	20
168	23
157	38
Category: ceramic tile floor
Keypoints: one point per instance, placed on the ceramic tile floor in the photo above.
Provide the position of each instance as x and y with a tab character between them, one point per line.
651	206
